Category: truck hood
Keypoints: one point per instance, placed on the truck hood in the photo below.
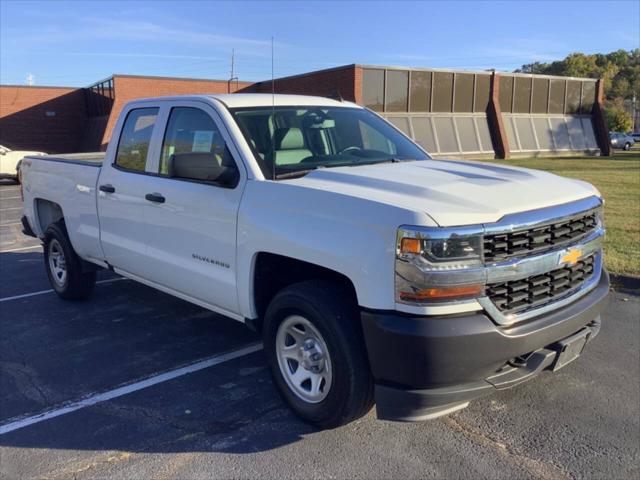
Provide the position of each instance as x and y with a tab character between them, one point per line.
451	192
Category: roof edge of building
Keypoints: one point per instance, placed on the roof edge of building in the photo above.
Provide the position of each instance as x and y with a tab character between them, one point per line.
13	85
313	72
160	77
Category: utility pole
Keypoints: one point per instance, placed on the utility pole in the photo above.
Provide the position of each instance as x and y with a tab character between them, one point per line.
31	79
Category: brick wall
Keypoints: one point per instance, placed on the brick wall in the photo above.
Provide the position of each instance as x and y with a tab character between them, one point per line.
323	83
129	88
48	119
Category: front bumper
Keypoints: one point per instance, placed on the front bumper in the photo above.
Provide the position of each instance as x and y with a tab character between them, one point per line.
428	366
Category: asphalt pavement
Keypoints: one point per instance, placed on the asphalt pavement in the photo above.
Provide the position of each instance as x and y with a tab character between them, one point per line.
136	384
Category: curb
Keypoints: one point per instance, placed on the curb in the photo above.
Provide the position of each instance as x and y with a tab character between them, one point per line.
625	283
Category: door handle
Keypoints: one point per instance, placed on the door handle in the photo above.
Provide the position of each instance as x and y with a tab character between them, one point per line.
107	188
154	197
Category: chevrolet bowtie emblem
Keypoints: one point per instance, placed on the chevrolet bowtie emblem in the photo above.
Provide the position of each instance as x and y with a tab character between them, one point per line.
572	256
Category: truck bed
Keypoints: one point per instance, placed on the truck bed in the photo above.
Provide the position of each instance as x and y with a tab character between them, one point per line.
93	159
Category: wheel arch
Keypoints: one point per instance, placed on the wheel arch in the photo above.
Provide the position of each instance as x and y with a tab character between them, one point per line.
272	272
46	213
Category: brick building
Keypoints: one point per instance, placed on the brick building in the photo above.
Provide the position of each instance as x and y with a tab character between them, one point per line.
451	113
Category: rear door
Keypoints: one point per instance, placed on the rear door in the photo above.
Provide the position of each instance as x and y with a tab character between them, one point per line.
121	185
191	224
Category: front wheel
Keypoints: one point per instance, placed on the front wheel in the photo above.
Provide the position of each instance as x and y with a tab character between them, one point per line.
627	146
64	267
316	353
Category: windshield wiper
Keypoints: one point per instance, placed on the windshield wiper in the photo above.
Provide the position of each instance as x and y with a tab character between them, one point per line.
295	173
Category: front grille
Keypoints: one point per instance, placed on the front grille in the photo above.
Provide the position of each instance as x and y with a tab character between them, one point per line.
537	290
502	246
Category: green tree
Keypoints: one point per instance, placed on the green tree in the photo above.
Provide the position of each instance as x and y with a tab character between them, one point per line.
618	119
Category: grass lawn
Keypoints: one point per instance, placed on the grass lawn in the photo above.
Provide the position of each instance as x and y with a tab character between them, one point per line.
618	179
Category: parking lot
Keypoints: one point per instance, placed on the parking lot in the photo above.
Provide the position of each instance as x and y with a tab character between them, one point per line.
134	384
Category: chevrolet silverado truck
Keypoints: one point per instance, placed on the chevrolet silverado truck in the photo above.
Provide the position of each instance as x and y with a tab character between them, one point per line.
374	273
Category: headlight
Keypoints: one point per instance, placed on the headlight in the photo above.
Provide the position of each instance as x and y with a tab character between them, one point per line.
438	264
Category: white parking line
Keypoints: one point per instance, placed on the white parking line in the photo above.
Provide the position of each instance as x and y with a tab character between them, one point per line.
9	224
42	292
17	423
10	208
9	198
21	249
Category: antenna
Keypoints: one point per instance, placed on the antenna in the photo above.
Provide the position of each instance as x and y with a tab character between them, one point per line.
273	117
233	54
232	77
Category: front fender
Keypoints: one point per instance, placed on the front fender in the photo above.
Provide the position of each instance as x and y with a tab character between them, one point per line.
351	236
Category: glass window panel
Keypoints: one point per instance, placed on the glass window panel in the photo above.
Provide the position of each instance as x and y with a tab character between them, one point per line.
467	134
420	92
481	100
442	91
573	96
522	99
540	95
373	89
463	95
397	91
402	123
190	130
589	135
560	133
424	133
485	136
588	97
576	134
543	132
511	136
506	93
446	134
556	96
525	133
133	145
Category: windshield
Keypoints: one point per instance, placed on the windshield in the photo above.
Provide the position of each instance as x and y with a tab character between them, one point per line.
291	141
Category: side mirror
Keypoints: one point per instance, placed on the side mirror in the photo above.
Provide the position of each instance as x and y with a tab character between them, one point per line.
203	166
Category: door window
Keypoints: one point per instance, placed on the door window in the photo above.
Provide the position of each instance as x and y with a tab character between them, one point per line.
191	130
134	139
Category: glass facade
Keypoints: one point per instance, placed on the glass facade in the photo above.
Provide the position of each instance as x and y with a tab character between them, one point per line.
99	98
550	133
446	111
397	95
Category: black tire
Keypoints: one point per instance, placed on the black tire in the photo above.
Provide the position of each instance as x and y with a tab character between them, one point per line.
627	146
75	284
336	317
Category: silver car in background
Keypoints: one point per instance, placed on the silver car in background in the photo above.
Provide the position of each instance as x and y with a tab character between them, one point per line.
621	140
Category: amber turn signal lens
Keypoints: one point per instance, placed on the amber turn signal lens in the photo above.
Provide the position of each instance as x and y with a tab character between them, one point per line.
443	293
410	245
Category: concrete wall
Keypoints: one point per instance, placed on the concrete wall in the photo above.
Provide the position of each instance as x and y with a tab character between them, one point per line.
48	119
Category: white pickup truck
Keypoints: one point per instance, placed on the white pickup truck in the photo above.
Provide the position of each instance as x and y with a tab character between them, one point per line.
374	273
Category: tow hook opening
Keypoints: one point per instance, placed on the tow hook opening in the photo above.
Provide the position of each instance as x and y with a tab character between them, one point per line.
520	361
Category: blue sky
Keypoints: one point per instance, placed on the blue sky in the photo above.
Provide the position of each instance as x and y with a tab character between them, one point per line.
77	43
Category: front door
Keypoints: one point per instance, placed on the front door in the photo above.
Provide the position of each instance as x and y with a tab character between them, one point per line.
191	223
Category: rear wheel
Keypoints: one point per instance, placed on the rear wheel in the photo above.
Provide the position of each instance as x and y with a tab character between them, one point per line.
316	353
627	146
64	267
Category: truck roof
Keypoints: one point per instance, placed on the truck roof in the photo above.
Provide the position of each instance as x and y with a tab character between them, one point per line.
235	100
